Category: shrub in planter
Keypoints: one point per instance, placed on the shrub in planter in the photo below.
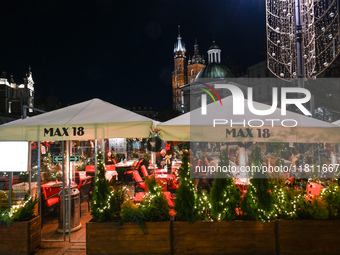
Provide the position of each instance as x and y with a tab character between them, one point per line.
331	195
132	213
224	195
153	208
258	203
126	236
186	197
287	201
23	212
22	235
204	206
106	203
317	208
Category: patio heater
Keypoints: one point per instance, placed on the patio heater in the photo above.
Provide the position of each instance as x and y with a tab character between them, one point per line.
302	37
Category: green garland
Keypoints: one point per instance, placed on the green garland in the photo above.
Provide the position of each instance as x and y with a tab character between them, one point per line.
158	143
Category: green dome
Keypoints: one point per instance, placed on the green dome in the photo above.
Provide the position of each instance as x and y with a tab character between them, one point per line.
214	70
214	46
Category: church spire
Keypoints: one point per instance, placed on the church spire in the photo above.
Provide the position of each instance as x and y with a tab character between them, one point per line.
197	58
179	46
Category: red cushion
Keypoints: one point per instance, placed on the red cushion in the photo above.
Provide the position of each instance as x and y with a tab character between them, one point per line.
110	167
169	197
139	197
172	212
90	168
52	201
144	171
142	185
51	191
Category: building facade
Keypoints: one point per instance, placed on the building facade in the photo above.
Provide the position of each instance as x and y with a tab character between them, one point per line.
209	75
195	64
179	75
13	96
184	70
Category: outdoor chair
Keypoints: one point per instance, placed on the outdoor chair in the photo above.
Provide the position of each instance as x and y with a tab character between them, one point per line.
50	200
138	181
128	173
144	172
84	191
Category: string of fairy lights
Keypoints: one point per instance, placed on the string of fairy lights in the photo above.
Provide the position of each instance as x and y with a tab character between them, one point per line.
318	33
284	207
15	208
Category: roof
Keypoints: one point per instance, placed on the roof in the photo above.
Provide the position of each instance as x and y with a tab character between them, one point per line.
96	118
214	46
215	71
193	126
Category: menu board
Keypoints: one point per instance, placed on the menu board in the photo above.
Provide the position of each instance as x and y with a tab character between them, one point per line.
118	144
13	156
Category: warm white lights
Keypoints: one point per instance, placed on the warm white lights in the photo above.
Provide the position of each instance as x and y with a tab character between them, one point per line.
301	51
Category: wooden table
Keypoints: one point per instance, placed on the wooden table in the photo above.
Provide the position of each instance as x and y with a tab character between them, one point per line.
128	163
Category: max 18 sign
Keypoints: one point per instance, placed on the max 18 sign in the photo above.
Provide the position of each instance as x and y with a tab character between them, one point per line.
248	132
64	131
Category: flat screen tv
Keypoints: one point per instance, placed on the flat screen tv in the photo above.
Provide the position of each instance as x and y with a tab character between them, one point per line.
13	156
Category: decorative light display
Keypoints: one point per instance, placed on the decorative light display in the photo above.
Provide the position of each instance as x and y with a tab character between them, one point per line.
263	215
15	208
302	37
284	207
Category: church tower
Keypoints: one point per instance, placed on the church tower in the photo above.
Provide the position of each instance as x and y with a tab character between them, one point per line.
195	64
214	54
179	73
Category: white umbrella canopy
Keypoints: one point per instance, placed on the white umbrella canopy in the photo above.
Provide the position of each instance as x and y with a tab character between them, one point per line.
337	123
193	126
93	119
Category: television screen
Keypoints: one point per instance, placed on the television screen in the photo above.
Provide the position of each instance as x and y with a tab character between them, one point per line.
13	156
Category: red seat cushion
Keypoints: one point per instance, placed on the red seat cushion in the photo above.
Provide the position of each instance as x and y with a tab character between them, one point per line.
51	192
170	198
142	185
172	212
139	197
52	201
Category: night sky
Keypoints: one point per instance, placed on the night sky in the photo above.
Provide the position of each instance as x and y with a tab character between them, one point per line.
121	51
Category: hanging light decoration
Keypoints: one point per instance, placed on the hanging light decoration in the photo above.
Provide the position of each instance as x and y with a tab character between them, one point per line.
302	37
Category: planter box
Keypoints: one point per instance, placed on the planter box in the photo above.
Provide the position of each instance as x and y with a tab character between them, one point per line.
238	237
128	238
20	237
308	236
